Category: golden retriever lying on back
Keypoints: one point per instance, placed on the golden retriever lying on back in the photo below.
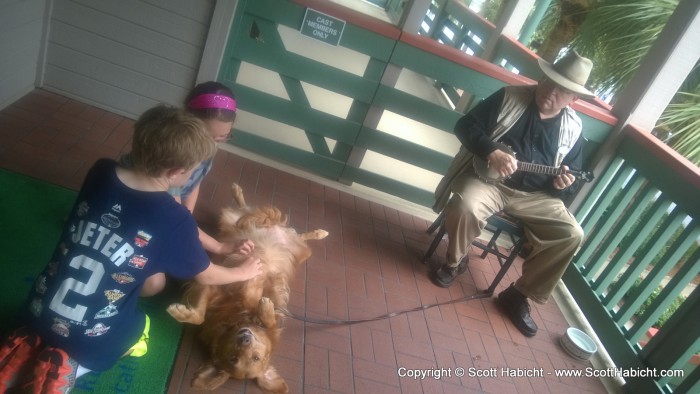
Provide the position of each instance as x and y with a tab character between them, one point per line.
240	325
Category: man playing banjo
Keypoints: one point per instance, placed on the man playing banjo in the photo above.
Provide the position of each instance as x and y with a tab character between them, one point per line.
540	127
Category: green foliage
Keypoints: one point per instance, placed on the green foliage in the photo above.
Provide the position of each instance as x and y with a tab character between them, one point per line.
666	314
617	35
491	10
682	120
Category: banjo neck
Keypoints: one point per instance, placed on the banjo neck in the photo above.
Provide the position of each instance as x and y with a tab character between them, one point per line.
489	175
540	168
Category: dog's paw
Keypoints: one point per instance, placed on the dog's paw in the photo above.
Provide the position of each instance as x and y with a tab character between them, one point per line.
237	194
316	234
236	189
266	312
266	304
184	314
320	234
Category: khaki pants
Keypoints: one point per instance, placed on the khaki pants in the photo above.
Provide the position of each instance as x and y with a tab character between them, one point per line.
550	227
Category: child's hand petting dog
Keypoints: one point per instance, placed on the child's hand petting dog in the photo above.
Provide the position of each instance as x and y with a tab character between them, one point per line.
243	247
250	268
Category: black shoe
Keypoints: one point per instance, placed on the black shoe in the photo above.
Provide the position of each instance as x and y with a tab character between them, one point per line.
445	275
514	304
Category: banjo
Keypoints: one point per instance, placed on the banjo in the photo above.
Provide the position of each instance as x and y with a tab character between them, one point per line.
490	175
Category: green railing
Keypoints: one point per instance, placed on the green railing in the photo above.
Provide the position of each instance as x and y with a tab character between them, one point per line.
452	23
641	260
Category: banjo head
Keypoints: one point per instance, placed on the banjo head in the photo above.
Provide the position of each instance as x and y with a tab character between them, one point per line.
486	173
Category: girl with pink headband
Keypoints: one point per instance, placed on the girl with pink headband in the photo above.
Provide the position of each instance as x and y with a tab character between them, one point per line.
215	105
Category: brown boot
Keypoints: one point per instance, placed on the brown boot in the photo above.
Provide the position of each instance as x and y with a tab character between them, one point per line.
445	275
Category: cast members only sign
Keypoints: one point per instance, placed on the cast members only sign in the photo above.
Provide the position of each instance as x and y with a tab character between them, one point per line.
322	27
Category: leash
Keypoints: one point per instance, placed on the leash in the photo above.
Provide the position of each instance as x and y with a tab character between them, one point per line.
337	322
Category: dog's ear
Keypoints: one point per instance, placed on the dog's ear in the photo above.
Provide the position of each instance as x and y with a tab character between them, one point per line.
208	377
272	382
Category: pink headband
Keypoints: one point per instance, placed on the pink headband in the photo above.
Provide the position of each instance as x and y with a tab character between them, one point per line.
206	101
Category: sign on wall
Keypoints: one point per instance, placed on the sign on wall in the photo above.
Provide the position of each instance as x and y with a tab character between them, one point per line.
322	27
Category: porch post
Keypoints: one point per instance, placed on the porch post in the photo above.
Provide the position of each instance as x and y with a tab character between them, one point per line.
215	45
510	23
412	18
531	24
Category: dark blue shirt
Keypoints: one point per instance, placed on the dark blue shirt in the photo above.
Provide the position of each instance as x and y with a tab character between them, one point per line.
85	300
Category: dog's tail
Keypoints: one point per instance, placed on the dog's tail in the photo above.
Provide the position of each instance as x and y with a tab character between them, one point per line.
228	218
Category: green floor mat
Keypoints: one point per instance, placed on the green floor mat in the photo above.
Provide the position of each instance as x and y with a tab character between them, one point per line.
32	214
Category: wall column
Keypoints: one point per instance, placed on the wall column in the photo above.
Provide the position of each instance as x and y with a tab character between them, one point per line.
214	48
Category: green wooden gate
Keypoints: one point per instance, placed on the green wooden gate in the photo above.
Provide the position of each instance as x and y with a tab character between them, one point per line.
325	108
257	43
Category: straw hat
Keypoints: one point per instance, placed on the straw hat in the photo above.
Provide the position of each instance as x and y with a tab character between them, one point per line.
570	72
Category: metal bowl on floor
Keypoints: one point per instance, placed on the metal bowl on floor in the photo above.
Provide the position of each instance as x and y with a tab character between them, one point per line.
578	344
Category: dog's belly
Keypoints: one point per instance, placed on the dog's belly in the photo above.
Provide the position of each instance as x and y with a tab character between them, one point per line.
242	313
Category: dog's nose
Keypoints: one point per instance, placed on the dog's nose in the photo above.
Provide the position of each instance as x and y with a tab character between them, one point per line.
245	337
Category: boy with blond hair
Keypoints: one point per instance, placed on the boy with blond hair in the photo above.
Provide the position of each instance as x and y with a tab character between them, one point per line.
124	233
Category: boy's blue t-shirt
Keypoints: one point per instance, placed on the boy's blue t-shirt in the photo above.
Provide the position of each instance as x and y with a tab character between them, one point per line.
85	300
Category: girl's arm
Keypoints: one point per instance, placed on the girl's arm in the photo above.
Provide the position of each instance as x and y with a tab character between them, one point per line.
191	200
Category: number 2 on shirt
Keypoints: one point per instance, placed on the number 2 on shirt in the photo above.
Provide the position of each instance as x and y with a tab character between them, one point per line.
77	312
